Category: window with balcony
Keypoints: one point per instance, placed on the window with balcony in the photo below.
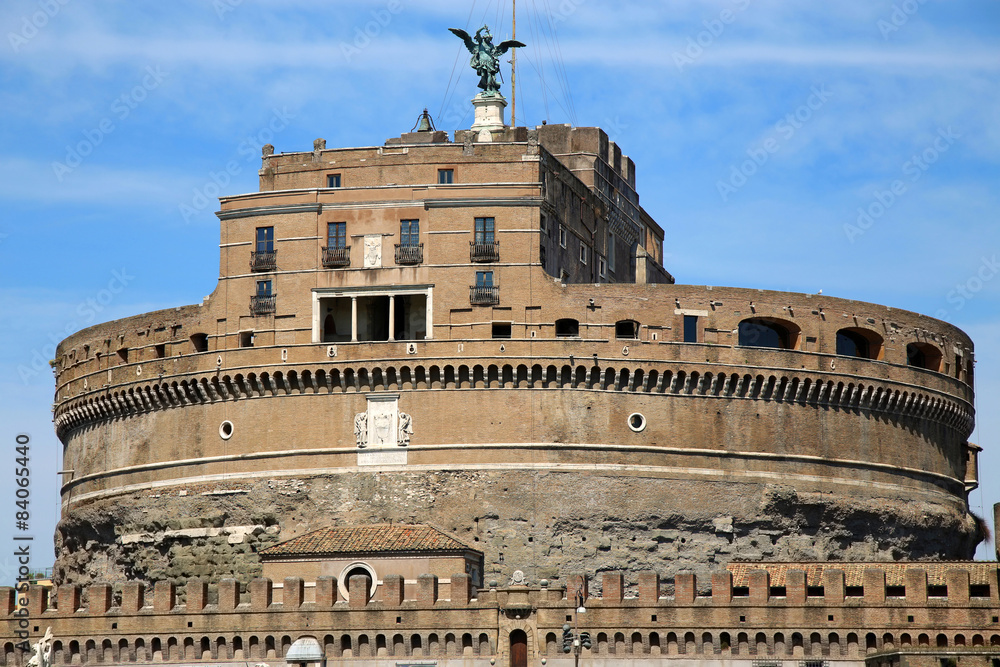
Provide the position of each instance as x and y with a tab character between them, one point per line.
337	252
446	176
484	247
263	302
409	250
264	257
484	292
333	180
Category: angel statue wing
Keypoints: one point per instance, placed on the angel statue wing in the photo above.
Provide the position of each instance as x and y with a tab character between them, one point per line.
502	47
469	44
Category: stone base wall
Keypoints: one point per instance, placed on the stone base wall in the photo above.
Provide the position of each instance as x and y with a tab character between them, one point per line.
539	521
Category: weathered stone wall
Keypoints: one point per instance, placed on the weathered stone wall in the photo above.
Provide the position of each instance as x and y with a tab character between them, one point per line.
540	522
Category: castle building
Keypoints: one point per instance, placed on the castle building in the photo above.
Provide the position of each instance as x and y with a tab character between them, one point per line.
476	338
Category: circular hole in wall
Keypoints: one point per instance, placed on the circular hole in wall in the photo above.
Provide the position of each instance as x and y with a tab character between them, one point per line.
636	422
358	568
226	430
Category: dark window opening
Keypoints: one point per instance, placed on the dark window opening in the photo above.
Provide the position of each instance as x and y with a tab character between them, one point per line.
567	328
501	329
923	355
200	342
446	176
333	180
360	571
123	355
979	591
246	339
815	591
690	328
854	591
627	329
858	342
778	591
937	591
895	591
160	350
741	592
541	254
765	332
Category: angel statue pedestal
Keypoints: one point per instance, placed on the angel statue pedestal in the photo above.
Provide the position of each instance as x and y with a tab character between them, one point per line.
489	115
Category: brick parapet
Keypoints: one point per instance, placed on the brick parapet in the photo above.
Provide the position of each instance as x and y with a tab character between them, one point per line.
958	616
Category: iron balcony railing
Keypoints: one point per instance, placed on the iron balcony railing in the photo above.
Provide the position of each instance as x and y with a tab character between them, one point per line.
337	256
484	295
264	261
409	254
484	252
263	304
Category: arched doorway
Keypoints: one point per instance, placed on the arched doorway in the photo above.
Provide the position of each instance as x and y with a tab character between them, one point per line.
518	649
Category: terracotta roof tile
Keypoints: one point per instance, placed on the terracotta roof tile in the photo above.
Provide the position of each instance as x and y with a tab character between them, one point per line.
366	539
854	573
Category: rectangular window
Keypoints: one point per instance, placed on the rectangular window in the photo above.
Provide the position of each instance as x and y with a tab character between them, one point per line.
583	253
484	230
541	254
263	288
409	232
446	176
562	236
602	267
542	223
501	329
484	279
690	328
336	235
265	239
333	180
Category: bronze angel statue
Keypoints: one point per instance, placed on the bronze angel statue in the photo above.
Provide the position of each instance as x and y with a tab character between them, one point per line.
486	56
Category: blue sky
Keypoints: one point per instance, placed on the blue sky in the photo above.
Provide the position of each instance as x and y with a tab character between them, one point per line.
761	131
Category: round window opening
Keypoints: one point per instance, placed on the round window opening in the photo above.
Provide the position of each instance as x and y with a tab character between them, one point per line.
636	422
226	430
358	569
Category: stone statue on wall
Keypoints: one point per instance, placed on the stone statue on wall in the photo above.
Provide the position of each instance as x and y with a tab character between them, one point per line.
486	57
405	429
42	651
361	428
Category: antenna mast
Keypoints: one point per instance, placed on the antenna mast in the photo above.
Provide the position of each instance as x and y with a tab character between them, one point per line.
513	72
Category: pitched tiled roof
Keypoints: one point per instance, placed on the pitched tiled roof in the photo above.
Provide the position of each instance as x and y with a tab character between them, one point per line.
366	539
854	573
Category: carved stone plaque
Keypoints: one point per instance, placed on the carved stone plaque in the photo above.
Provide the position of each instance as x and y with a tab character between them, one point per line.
373	251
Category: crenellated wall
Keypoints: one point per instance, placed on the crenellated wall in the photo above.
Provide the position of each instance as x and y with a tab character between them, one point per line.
823	616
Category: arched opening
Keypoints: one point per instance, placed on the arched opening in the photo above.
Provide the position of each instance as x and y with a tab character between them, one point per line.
567	328
627	329
359	571
518	649
859	342
923	355
769	332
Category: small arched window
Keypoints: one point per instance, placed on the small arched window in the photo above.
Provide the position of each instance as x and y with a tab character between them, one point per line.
923	355
768	332
858	342
627	329
567	328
